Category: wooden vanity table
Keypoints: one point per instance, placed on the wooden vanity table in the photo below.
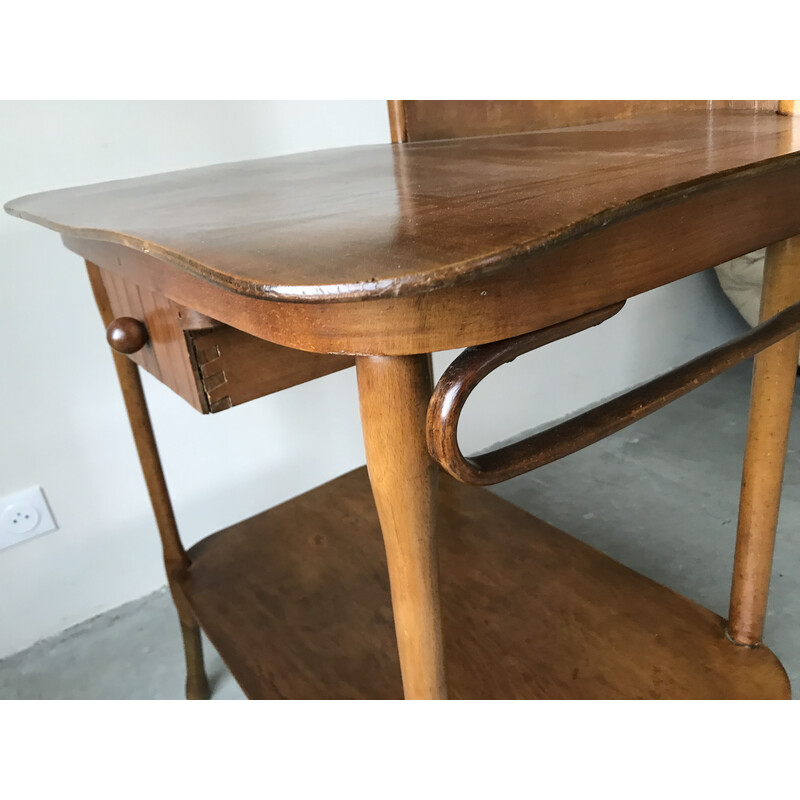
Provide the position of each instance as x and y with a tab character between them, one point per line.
493	226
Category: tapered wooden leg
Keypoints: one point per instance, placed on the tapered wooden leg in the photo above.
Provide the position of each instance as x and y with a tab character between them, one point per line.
774	375
394	394
196	678
176	560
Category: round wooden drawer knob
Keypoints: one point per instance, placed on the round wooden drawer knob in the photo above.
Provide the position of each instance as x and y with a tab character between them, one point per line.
127	335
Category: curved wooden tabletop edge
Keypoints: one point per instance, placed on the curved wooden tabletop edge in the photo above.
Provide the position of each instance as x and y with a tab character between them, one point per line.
428	278
444	277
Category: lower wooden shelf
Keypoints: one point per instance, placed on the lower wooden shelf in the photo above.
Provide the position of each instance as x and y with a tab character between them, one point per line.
296	601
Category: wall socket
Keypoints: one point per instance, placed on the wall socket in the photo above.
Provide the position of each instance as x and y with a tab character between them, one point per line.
24	515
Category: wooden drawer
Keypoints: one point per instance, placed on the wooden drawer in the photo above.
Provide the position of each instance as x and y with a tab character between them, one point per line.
210	365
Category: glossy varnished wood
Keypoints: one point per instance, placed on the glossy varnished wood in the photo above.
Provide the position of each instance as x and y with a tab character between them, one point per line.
397	120
127	335
391	221
176	560
458	382
774	382
424	120
210	365
297	602
767	439
776	334
393	394
165	354
175	557
232	367
396	251
662	243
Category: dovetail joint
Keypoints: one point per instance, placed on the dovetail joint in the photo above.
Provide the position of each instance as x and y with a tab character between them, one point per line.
211	376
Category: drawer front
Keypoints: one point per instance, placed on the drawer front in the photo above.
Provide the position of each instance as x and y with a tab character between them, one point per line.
210	365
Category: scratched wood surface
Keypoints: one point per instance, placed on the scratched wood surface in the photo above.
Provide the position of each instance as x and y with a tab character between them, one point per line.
424	120
297	602
396	220
212	366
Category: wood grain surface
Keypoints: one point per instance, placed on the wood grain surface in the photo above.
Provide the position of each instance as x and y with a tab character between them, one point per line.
297	602
774	384
210	365
393	394
165	354
398	220
582	430
424	120
717	221
176	561
233	367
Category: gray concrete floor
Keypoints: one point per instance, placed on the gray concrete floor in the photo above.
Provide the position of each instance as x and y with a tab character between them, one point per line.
660	496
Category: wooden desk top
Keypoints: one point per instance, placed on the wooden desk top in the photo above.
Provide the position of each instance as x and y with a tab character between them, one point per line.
398	220
453	243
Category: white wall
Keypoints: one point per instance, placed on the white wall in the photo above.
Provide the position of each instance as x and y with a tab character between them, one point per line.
62	422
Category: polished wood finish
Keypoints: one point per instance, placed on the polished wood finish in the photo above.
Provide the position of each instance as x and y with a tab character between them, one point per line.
396	221
474	364
425	120
391	252
297	602
165	354
662	243
233	367
175	557
176	561
126	335
397	121
774	376
460	379
393	395
210	365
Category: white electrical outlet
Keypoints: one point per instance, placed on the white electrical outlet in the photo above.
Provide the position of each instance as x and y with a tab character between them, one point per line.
24	515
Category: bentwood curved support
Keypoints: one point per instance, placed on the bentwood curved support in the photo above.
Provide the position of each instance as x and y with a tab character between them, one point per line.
493	219
475	363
